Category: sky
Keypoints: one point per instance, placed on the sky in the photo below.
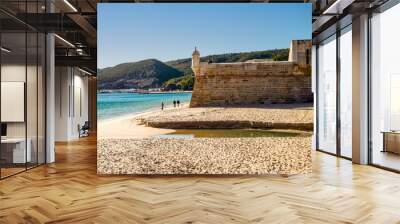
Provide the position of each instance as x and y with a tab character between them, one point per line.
134	32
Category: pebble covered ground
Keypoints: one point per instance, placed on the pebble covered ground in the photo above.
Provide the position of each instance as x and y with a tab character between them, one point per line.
264	155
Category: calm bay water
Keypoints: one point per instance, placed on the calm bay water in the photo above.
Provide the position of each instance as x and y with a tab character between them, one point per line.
110	105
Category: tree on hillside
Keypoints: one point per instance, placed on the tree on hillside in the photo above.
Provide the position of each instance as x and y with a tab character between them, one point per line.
180	83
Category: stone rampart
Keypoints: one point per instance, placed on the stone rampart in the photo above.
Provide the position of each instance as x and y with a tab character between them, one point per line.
245	83
251	83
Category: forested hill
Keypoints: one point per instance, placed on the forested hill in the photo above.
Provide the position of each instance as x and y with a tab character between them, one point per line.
276	54
145	74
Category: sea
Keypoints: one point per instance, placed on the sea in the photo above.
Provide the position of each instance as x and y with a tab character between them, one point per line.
112	105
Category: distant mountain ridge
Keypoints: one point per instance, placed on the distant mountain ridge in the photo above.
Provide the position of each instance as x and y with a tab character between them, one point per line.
152	73
145	74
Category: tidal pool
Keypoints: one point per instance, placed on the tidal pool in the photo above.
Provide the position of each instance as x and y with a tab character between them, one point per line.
233	133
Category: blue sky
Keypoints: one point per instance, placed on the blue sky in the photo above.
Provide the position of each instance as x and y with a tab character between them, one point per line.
134	32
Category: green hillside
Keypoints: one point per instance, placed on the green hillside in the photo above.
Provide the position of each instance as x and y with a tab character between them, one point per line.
180	83
144	74
183	65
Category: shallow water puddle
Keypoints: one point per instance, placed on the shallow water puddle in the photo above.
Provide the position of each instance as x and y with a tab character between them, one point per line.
232	133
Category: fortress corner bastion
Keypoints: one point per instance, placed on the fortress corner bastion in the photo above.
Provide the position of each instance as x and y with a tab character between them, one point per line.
254	82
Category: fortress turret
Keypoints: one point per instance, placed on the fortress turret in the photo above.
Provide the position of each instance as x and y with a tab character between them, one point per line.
300	52
196	61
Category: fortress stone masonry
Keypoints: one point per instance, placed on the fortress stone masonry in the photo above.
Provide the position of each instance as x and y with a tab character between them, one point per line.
254	82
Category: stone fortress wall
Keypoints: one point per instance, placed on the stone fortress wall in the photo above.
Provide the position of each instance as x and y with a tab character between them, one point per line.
253	82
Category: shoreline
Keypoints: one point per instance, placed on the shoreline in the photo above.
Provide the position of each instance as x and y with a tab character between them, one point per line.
127	116
144	91
140	113
127	127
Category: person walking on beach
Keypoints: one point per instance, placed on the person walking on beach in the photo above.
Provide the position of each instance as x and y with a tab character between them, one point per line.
174	103
177	102
162	105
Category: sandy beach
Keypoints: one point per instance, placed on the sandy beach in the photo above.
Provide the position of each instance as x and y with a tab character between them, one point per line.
291	113
156	121
129	145
284	156
128	126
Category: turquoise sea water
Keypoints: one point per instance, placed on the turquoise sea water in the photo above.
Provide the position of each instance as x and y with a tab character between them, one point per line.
110	105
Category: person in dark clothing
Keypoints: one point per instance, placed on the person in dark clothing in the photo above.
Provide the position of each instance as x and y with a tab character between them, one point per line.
178	102
174	103
162	105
